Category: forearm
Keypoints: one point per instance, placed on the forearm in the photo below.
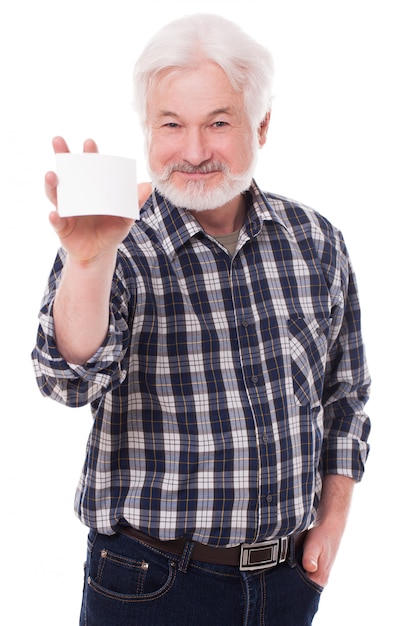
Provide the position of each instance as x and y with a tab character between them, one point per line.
335	502
81	307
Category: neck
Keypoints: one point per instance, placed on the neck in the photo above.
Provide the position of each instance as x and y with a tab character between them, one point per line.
223	220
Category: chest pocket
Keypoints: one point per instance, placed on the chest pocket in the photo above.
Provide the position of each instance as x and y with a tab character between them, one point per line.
308	346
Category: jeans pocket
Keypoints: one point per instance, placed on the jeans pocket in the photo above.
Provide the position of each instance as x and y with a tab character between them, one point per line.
307	580
130	578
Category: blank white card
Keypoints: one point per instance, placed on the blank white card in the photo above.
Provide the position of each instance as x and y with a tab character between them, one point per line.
96	184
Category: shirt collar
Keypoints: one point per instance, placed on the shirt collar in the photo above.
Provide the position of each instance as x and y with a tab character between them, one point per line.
175	226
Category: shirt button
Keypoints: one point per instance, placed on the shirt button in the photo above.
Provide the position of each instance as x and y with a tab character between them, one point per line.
269	498
255	379
265	438
319	331
245	323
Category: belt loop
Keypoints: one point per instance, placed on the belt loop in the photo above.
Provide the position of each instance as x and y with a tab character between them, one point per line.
186	557
296	548
291	552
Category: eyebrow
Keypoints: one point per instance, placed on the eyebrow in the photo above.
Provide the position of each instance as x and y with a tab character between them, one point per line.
220	111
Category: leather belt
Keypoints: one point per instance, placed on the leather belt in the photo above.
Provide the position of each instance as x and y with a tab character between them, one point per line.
246	556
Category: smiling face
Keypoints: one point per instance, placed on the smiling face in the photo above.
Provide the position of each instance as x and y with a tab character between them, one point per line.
202	149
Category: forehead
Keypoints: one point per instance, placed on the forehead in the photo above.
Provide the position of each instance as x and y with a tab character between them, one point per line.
203	88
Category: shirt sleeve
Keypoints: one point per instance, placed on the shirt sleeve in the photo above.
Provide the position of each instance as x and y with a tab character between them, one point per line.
347	383
77	385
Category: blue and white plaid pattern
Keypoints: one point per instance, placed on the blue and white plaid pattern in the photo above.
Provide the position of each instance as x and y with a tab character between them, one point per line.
226	386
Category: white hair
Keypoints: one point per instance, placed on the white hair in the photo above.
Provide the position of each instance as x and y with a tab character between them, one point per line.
187	42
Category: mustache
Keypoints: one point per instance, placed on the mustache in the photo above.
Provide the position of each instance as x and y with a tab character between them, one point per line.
204	168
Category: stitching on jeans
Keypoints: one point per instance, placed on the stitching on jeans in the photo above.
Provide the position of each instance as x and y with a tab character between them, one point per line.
262	584
214	572
246	599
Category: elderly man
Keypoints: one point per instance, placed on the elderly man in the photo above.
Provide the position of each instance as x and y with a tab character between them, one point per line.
218	341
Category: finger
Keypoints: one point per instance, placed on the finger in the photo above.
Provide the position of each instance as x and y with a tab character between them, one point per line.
59	145
58	223
144	191
90	146
51	182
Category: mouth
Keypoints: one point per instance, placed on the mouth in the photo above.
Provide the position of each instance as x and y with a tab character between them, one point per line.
197	175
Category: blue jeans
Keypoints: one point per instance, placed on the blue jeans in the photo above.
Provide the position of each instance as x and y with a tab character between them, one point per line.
129	584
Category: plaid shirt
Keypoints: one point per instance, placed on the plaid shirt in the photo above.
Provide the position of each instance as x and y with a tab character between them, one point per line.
226	386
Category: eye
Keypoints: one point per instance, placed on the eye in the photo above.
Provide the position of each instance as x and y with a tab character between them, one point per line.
171	125
219	124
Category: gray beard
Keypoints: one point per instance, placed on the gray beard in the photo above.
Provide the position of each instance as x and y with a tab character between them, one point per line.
196	197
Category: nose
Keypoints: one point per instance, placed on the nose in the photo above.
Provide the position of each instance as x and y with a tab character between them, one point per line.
196	149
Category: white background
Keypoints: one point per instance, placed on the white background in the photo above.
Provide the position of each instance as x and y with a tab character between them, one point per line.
342	139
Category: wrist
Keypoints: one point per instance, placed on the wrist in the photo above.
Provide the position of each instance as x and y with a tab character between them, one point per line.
99	261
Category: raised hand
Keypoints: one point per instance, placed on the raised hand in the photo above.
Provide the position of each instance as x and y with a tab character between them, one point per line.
88	236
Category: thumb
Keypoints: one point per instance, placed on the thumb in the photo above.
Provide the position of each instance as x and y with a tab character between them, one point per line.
310	562
144	191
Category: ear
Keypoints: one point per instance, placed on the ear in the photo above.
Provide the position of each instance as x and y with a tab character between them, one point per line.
263	129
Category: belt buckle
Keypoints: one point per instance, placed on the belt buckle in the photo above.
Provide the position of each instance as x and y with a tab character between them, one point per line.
255	556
